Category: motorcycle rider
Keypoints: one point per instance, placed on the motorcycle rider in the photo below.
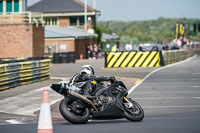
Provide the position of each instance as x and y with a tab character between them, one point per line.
87	81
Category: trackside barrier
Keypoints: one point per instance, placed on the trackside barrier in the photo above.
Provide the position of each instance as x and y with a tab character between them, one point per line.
66	57
21	73
132	59
173	56
14	60
147	58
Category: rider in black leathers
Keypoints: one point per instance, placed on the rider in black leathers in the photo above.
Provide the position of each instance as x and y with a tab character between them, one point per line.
86	76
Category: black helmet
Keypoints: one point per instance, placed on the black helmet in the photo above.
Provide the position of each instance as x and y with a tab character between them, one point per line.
88	69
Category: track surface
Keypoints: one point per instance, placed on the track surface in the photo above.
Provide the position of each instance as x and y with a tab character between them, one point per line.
170	98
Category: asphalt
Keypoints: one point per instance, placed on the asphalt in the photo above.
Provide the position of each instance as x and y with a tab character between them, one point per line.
13	101
170	99
68	70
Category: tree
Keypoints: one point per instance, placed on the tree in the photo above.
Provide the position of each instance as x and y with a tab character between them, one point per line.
98	31
162	29
196	38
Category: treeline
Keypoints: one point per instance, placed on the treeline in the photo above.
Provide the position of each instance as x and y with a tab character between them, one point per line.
135	32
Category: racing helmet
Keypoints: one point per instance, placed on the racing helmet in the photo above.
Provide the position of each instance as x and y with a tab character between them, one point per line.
88	69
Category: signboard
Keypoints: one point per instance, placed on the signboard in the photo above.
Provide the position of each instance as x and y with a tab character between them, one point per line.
180	30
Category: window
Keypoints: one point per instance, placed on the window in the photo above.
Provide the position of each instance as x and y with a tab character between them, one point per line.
54	21
16	6
47	21
77	21
8	6
81	20
199	28
51	21
194	28
1	6
73	21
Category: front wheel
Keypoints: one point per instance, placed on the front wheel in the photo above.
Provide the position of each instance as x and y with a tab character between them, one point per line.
71	113
133	111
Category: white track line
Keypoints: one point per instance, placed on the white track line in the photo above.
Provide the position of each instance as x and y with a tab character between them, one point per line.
171	118
187	106
167	98
164	92
27	103
14	121
60	78
161	68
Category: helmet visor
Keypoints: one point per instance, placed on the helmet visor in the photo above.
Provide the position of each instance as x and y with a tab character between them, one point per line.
86	70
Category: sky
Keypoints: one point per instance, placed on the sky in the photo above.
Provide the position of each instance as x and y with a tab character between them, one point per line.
134	10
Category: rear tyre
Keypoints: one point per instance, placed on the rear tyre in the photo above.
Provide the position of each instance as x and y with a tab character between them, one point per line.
133	111
66	110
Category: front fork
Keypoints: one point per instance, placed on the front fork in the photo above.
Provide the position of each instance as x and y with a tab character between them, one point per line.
128	103
131	106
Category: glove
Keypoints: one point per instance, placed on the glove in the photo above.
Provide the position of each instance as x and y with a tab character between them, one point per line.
101	79
63	85
112	79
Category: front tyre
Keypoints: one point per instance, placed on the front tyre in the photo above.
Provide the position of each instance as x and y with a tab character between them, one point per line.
132	110
78	116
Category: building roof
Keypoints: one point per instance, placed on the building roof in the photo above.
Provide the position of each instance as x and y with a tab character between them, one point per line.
49	33
59	6
109	37
67	32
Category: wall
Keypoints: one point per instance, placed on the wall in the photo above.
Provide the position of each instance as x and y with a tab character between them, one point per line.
38	41
11	19
16	41
81	44
63	21
78	45
51	44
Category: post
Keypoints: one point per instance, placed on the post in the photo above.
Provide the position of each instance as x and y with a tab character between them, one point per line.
29	17
4	7
162	61
85	15
27	41
94	4
106	55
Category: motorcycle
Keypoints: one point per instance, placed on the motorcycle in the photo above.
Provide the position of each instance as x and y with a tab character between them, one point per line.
109	102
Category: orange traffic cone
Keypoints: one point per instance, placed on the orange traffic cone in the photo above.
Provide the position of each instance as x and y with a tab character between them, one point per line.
81	56
45	122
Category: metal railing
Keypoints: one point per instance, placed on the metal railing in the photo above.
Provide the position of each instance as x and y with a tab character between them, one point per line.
25	17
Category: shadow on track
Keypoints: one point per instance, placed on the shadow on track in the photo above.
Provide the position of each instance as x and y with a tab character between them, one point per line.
103	122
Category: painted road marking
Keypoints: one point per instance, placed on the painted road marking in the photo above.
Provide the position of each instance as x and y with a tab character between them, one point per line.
186	106
152	98
174	92
172	118
156	70
14	121
137	81
60	78
28	103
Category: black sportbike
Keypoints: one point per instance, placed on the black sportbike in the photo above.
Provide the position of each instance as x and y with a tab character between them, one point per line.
109	102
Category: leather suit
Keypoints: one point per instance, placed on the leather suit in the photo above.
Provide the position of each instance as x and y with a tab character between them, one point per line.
86	82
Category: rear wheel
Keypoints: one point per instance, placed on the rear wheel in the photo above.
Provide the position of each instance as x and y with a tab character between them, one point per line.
71	113
133	111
